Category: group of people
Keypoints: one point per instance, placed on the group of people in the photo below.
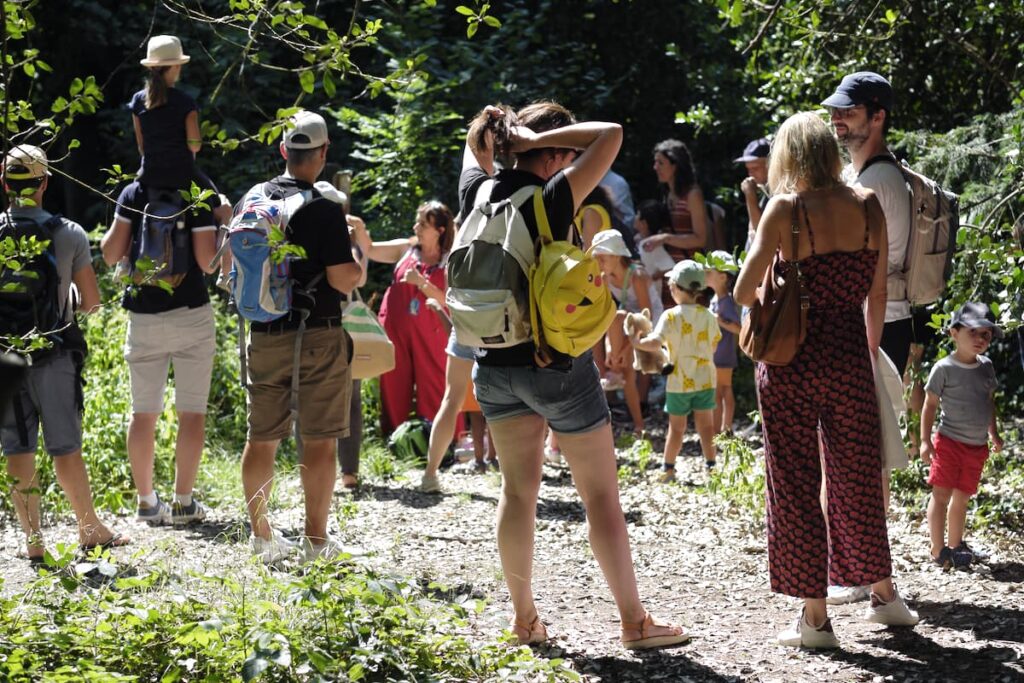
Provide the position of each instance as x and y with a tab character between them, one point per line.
827	536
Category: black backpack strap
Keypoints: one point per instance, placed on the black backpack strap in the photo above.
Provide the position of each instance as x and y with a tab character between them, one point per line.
884	158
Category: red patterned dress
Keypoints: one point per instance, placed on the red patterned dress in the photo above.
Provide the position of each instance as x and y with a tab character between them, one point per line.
829	386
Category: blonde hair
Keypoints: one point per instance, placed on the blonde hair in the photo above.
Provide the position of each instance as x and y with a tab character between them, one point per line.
805	150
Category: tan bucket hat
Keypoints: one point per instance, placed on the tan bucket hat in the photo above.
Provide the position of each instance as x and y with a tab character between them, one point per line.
164	51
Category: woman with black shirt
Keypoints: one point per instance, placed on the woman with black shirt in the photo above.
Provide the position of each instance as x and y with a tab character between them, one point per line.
567	159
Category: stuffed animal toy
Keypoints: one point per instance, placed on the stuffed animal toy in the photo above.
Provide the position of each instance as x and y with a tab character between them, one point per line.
647	362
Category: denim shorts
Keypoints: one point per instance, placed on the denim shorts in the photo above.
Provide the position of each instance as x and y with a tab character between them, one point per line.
457	350
570	399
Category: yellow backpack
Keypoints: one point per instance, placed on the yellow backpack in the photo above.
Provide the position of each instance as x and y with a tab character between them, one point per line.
570	306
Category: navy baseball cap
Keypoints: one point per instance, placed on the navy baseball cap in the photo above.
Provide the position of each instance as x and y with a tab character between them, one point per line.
755	149
859	88
973	314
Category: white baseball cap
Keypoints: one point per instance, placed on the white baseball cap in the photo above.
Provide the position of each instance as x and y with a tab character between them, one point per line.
309	131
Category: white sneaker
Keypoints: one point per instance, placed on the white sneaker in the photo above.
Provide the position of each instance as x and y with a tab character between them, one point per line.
430	484
274	549
803	634
552	456
892	613
328	550
844	595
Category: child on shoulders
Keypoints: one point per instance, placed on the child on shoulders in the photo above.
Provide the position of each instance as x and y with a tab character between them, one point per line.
166	122
963	384
690	332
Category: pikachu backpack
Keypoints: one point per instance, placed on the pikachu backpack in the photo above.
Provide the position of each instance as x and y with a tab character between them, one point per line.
570	306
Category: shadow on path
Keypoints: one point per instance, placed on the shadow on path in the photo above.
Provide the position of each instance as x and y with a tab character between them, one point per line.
658	665
922	659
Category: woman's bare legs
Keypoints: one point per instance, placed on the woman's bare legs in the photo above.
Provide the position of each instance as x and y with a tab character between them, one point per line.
519	442
591	458
456	384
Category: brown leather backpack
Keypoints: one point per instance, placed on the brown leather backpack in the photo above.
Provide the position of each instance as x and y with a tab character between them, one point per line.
777	324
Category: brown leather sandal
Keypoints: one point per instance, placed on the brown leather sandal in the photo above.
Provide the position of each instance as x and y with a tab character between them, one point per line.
529	633
646	642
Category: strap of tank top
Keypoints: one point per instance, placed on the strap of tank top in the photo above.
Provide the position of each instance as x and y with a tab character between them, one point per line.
810	230
627	280
867	224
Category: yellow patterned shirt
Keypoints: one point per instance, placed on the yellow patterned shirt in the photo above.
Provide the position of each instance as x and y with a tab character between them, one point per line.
691	333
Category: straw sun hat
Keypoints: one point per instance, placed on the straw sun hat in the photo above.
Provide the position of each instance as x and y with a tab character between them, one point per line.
164	51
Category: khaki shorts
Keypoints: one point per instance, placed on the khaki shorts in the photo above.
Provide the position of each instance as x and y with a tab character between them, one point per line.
184	338
325	384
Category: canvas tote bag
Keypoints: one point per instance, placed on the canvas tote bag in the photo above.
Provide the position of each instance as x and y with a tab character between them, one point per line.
373	354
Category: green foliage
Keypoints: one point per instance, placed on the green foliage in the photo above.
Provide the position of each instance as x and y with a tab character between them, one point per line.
332	623
638	455
738	478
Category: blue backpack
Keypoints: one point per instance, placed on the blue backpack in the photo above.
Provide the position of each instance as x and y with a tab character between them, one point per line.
162	250
261	285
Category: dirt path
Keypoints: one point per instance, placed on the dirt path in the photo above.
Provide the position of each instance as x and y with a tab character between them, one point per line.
697	563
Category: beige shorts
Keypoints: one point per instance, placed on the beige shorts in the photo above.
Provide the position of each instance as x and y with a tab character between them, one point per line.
184	338
325	384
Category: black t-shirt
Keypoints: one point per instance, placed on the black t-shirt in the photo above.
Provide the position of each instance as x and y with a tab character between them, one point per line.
166	160
319	227
191	293
560	208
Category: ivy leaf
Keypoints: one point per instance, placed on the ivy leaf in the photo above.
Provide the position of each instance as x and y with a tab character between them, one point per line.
307	79
253	667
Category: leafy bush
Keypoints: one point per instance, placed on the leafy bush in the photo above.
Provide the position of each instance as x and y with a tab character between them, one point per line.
333	623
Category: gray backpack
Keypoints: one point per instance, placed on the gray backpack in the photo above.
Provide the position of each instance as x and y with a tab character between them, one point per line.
488	293
934	222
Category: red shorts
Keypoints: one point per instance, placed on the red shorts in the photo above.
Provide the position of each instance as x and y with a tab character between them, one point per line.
957	465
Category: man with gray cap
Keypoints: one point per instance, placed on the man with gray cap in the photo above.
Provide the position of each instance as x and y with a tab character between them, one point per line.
754	186
327	271
36	298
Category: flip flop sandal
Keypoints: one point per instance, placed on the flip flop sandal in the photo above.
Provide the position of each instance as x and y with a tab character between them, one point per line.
536	631
115	541
646	642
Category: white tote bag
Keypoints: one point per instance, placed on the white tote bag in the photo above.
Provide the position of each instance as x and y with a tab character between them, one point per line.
373	353
889	388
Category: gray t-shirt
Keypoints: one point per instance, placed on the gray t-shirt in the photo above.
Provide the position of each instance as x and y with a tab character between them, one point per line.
888	184
965	392
70	244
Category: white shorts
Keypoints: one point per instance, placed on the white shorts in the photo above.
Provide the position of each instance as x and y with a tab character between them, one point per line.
184	337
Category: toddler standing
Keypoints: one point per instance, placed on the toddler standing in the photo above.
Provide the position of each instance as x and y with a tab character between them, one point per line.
690	332
720	269
963	383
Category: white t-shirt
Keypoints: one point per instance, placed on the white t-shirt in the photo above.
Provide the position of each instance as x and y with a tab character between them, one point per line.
893	194
691	334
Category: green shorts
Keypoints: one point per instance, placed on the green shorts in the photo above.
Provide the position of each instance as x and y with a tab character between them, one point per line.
684	403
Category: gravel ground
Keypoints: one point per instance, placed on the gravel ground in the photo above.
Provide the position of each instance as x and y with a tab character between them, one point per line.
697	561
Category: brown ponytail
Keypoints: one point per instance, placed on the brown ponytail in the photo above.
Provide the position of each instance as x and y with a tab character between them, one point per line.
500	126
156	86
